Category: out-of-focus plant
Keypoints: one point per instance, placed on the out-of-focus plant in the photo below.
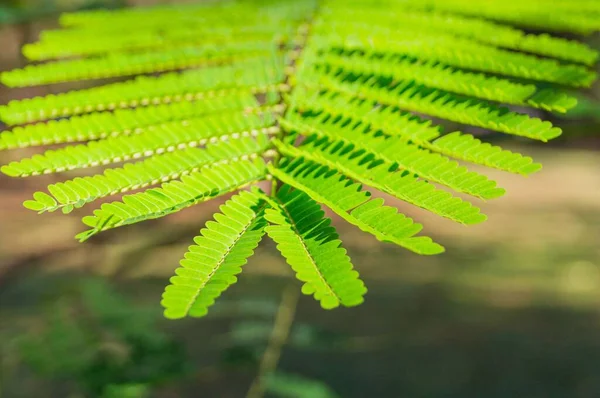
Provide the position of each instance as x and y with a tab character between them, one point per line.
102	343
96	343
18	11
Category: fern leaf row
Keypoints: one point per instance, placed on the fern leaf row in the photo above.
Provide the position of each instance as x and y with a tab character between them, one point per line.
259	75
156	139
393	122
461	53
116	65
362	167
350	202
174	196
442	77
100	125
411	158
466	147
578	16
75	193
234	13
312	101
165	29
417	98
66	43
210	266
481	30
312	248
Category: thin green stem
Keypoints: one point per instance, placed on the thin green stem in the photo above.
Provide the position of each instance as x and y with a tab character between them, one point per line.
279	336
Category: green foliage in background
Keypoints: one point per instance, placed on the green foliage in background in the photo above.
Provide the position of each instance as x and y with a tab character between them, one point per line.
122	350
102	343
20	11
324	99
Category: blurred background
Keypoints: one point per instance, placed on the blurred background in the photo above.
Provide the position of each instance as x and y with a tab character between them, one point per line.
511	310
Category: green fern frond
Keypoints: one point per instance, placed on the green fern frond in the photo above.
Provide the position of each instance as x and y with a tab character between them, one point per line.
445	78
350	202
311	246
418	98
460	53
260	75
578	16
160	30
407	156
156	139
210	266
232	13
392	122
369	112
73	194
329	100
66	44
363	167
174	196
481	30
466	147
116	65
100	125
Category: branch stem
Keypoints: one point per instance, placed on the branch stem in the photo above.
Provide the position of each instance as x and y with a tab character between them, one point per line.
279	336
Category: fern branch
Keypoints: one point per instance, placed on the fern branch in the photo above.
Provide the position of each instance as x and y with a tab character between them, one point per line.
167	16
116	64
430	166
393	122
363	167
311	246
398	21
461	53
417	98
157	139
210	266
442	77
260	75
368	111
100	125
68	43
468	148
350	202
173	196
566	16
75	193
282	325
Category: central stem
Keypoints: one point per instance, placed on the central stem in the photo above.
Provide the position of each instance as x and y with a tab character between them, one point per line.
298	43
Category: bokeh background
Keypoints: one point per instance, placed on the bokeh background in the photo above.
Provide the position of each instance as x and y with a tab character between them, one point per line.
511	310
